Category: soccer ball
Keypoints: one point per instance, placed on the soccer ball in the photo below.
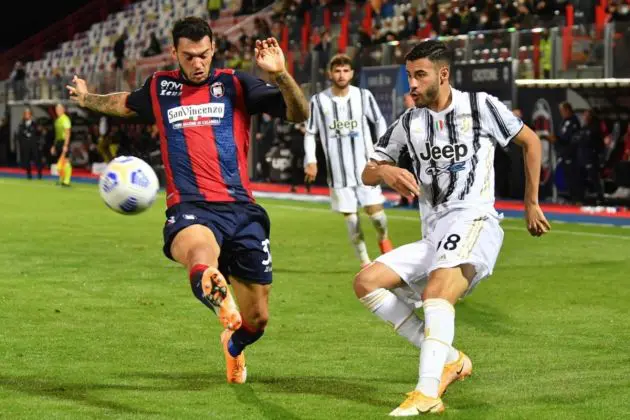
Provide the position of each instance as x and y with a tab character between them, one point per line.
128	185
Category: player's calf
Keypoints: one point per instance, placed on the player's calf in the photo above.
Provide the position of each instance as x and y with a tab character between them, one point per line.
372	286
355	234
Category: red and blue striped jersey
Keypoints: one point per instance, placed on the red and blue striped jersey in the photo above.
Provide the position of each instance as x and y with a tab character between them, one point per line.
204	130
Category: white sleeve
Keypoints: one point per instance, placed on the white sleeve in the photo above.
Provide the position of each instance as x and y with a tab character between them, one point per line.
310	155
391	144
374	114
501	123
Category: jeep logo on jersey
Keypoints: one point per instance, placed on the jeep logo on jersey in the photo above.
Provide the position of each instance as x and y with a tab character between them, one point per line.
193	112
340	125
449	151
170	88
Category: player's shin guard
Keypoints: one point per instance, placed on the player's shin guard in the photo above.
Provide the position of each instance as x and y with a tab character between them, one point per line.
379	220
439	318
242	338
356	237
196	274
397	313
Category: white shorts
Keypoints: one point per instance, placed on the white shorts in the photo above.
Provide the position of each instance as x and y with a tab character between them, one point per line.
347	200
460	237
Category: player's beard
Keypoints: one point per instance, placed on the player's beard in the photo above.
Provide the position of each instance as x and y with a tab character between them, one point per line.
189	76
341	85
428	97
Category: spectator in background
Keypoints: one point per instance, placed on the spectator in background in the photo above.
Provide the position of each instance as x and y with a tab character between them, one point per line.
387	9
590	147
567	150
119	55
264	139
545	10
626	145
261	28
618	11
28	137
412	23
119	50
433	17
296	136
214	9
524	18
545	55
18	79
622	171
4	141
148	141
155	48
454	20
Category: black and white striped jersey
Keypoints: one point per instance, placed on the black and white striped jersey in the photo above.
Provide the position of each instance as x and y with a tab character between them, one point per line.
342	126
452	150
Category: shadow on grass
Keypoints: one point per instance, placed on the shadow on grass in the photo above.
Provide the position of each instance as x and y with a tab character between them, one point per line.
484	317
68	391
268	410
332	387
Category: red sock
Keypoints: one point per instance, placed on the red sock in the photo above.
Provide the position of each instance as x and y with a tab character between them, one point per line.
197	270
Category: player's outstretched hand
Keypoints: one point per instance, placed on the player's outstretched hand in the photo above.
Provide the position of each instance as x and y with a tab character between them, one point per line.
401	180
310	172
269	56
537	223
79	91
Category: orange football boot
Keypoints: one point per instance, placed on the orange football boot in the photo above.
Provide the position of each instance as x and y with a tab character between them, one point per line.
458	370
217	293
236	371
385	245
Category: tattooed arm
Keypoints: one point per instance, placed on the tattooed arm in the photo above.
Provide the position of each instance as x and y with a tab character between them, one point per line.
114	104
297	106
269	57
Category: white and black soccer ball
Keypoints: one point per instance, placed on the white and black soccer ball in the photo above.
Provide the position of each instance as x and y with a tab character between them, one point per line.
128	185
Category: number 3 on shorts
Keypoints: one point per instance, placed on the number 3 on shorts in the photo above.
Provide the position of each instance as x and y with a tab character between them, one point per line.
265	246
451	242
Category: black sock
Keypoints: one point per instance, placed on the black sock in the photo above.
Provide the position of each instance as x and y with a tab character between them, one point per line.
242	338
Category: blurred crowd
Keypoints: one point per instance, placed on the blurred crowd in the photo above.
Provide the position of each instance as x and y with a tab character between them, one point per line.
91	143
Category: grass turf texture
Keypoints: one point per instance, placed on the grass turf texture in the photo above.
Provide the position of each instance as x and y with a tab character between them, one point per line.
96	322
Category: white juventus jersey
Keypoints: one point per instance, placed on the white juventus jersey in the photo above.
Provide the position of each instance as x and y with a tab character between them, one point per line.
452	150
342	126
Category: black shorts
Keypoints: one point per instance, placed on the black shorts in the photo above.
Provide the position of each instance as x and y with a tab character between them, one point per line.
59	149
241	230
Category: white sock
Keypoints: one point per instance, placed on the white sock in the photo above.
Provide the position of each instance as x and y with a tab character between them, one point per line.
439	318
397	313
356	237
379	220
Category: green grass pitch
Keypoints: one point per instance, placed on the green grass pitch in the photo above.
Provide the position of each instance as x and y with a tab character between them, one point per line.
95	322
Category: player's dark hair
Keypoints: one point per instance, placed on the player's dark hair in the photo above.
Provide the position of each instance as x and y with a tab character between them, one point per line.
340	60
192	28
567	107
434	51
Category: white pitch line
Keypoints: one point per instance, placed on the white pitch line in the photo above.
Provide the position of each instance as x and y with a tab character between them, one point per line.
416	219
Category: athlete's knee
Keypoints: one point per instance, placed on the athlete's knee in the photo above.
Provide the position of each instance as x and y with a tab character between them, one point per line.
256	318
366	281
